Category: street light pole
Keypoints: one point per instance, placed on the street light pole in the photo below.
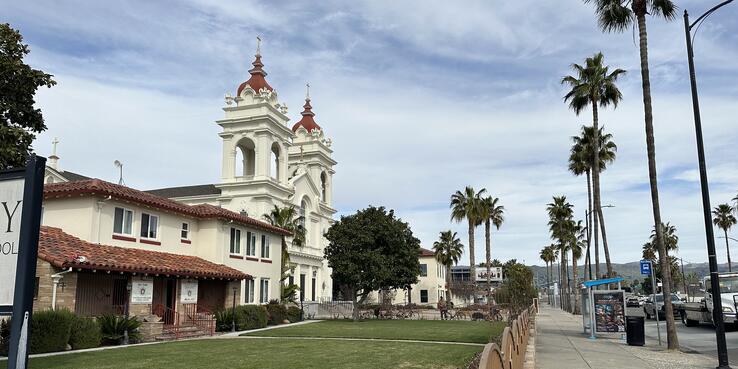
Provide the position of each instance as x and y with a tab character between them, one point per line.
717	309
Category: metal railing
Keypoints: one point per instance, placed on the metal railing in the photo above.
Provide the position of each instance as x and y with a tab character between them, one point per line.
177	323
511	353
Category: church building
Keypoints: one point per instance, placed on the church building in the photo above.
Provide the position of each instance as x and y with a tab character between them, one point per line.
196	248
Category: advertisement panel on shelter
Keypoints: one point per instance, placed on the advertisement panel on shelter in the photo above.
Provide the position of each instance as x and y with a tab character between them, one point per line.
142	290
609	308
11	198
189	291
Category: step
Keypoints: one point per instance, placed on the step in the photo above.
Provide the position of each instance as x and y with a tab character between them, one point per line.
168	336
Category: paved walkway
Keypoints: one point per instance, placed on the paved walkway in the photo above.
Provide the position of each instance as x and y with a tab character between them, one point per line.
560	343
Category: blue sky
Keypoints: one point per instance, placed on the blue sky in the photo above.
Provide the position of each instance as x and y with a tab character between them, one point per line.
420	99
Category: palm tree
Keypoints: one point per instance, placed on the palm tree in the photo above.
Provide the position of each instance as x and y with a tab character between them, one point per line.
577	243
448	250
619	16
491	214
286	218
724	219
594	85
671	244
550	257
581	158
560	213
466	205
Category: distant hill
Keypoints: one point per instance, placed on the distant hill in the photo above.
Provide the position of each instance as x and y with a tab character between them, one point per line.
630	271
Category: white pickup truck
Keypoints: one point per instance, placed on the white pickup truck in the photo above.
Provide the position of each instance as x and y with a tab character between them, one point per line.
694	313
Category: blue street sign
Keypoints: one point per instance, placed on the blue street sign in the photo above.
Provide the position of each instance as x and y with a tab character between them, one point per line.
645	267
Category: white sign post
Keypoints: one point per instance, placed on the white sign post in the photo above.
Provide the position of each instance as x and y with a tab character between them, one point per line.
21	192
188	288
11	199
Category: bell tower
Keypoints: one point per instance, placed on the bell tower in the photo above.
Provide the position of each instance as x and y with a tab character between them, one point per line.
256	142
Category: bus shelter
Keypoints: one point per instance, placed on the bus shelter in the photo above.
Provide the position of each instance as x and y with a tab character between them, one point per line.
603	311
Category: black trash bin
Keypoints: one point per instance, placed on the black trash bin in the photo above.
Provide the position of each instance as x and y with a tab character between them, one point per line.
635	330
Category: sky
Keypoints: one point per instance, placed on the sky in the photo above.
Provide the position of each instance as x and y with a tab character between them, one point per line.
420	99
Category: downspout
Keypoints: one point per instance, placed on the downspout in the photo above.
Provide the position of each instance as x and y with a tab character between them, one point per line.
99	215
56	278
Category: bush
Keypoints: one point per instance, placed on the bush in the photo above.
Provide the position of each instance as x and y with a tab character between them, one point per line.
247	317
50	330
85	333
4	336
294	314
277	313
113	328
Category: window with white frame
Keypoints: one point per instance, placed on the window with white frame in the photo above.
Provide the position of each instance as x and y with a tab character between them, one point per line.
249	291
235	241
250	244
149	226
123	221
423	270
265	246
185	232
264	291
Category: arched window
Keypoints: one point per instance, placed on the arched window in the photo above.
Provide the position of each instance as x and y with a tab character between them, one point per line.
323	186
303	215
245	158
274	170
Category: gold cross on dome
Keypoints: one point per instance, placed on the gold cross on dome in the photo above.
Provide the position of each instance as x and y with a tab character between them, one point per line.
258	45
307	94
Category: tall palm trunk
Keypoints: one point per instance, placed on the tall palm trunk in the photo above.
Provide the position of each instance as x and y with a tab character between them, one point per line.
727	248
575	290
589	224
448	283
639	8
488	246
596	185
548	282
565	278
472	267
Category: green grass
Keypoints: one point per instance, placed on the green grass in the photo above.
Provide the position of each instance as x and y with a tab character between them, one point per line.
266	353
421	330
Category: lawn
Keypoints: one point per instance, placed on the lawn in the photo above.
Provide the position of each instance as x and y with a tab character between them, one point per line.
266	353
421	330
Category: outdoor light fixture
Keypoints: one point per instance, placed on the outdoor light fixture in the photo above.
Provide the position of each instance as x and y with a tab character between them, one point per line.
722	348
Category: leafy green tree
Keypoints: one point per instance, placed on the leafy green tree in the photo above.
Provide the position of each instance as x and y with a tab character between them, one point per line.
581	158
372	250
620	16
287	219
20	121
724	219
594	85
467	205
448	250
491	214
517	289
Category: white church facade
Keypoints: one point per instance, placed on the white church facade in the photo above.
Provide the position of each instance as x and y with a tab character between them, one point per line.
266	162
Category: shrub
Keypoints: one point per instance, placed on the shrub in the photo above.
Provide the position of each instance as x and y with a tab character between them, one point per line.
277	313
4	336
247	317
85	333
50	330
113	328
294	314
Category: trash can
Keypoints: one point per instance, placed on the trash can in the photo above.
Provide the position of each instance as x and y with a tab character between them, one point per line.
635	330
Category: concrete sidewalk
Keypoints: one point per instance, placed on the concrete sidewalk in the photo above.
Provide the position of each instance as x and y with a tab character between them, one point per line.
560	344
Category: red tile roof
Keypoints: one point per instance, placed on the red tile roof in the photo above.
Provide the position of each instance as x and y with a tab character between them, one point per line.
63	250
97	187
257	80
307	120
426	252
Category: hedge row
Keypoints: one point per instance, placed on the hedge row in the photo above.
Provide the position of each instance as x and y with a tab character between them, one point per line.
55	330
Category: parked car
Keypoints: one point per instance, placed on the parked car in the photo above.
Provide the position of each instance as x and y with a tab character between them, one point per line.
655	303
632	301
